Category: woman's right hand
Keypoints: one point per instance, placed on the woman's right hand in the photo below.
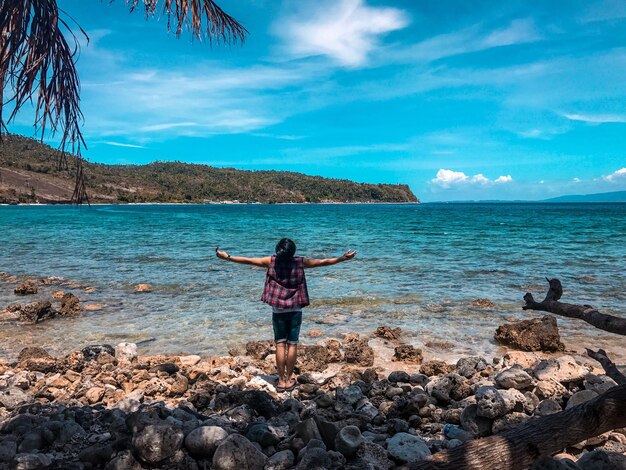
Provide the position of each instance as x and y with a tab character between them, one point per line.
221	254
349	255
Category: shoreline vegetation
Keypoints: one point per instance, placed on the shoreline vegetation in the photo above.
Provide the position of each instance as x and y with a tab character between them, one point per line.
30	172
363	401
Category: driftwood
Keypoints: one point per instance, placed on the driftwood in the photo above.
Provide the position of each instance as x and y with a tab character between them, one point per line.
520	447
608	365
551	304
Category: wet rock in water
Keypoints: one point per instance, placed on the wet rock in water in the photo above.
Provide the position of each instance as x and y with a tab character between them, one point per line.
563	369
58	295
348	440
36	312
489	402
37	360
358	351
202	442
143	288
14	397
157	442
282	460
93	307
236	453
484	304
580	397
407	353
431	368
70	305
126	352
387	332
312	358
407	448
260	349
91	353
26	288
531	335
514	377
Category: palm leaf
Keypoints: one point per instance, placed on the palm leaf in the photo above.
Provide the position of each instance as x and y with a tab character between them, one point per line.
38	63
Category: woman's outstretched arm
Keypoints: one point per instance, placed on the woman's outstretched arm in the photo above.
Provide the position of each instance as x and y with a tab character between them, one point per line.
316	263
260	262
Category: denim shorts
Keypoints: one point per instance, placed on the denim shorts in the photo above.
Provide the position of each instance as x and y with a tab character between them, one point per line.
287	327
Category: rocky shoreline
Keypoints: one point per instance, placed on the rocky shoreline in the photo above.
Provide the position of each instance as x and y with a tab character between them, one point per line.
108	407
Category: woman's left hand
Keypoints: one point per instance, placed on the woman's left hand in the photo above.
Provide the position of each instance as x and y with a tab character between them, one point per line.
221	254
349	254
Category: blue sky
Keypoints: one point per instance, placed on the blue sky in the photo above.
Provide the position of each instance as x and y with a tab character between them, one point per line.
460	100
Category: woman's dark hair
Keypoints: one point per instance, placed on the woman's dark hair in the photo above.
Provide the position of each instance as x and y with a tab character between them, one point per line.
285	249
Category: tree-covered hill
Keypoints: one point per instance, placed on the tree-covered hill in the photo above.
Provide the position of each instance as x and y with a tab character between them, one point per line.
29	172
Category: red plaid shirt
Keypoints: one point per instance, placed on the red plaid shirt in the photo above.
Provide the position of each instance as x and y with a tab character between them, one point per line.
285	284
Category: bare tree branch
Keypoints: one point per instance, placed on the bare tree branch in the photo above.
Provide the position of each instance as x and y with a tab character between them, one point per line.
608	365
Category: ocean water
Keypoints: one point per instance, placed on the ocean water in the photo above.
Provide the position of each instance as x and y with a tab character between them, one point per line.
418	267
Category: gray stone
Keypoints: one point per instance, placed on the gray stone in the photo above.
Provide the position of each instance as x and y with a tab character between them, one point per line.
599	383
580	397
514	377
440	388
123	461
490	403
8	449
261	433
13	397
508	422
314	459
468	366
349	395
548	407
126	352
282	460
236	452
551	463
563	369
157	442
203	441
371	456
31	461
348	440
399	376
406	448
514	400
602	460
479	426
31	442
308	430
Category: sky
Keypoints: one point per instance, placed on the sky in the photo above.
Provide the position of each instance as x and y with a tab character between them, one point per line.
459	100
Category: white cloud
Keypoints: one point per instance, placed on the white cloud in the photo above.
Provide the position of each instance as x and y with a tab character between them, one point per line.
576	180
345	30
596	118
616	176
450	178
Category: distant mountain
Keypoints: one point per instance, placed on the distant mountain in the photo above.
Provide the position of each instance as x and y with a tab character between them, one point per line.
614	196
29	172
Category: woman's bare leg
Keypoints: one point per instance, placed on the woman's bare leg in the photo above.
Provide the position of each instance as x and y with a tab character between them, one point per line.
281	361
292	355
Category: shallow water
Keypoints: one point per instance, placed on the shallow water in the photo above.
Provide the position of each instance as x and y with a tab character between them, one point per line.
419	267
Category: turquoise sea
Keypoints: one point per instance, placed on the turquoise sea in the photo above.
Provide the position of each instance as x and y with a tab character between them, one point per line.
418	267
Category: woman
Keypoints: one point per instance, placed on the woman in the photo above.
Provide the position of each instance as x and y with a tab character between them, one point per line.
286	291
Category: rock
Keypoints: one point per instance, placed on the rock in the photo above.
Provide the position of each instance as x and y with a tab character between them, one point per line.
13	397
399	376
372	456
407	448
308	430
328	430
36	359
282	460
348	440
31	462
31	442
260	349
315	333
580	397
527	360
36	312
349	395
549	389
440	388
468	366
602	460
407	353
312	358
551	463
483	304
531	335
179	386
26	288
333	350
157	442
514	400
59	433
358	351
514	377
96	455
143	288
509	421
189	361
489	402
435	367
91	353
58	295
93	307
479	426
94	395
599	383
126	352
388	332
236	453
261	433
70	305
547	407
123	461
202	442
314	459
8	449
563	369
